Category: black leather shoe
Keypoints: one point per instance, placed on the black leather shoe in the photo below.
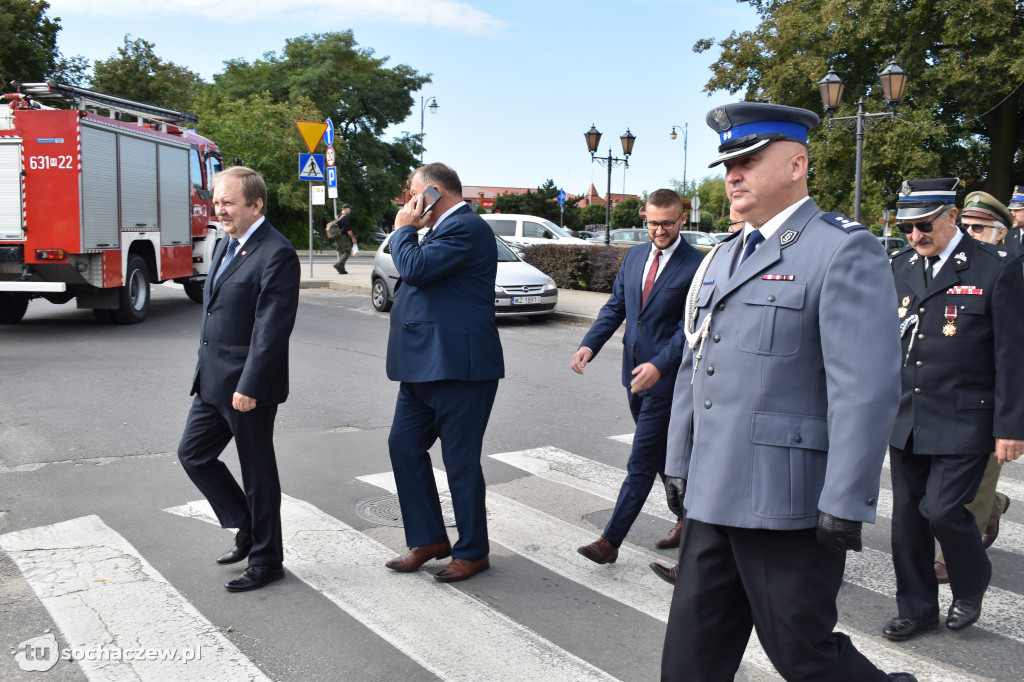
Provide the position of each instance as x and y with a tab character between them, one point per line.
900	629
901	677
964	612
664	572
241	549
255	577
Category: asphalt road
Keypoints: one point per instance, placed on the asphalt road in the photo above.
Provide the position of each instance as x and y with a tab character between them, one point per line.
101	545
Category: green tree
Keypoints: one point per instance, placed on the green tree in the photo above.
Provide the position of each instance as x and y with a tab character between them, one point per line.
626	213
135	72
592	214
361	95
262	133
542	203
963	109
28	41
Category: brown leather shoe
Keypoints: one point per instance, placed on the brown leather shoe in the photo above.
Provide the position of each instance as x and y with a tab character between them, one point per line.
417	556
992	530
672	539
940	573
600	552
664	572
460	569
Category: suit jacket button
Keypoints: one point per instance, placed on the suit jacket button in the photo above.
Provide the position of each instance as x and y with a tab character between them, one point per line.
921	310
205	342
721	306
798	439
707	404
716	338
871	501
917	391
920	336
771	298
918	363
710	371
639	323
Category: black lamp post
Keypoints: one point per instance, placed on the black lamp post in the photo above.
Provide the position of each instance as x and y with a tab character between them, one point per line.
893	80
432	103
593	139
672	135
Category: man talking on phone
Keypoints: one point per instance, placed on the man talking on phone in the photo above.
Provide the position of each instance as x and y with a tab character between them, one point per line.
445	351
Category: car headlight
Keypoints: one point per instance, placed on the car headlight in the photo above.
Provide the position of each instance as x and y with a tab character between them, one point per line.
550	285
498	290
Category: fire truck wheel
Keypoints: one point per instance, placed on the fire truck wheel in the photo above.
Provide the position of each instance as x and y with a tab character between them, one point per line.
12	307
194	290
134	295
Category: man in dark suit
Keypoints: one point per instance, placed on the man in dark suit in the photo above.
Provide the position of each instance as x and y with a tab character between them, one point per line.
1012	240
249	306
649	293
961	324
782	406
445	351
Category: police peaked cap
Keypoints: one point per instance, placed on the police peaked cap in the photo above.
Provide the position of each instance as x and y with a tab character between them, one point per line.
1017	198
920	198
985	206
745	127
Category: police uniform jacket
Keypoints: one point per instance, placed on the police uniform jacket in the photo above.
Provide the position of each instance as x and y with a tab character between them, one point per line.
960	381
797	386
1011	242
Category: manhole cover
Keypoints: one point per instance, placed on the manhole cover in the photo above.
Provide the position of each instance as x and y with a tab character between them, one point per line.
385	511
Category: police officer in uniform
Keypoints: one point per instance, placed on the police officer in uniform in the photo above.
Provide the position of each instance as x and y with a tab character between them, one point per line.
960	322
1012	241
781	411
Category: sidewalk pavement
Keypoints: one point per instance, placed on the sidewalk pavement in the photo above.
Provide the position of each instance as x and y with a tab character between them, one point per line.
573	306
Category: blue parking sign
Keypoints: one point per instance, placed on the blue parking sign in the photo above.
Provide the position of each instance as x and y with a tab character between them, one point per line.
332	176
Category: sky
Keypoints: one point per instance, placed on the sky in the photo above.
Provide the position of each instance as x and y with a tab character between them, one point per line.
518	82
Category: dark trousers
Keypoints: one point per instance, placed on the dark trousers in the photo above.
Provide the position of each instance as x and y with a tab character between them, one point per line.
783	583
208	430
646	461
457	413
928	497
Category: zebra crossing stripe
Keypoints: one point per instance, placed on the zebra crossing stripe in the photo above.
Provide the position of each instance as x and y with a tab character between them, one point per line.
108	602
570	466
476	642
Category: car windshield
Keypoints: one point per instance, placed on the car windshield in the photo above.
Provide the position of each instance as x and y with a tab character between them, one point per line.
555	228
505	254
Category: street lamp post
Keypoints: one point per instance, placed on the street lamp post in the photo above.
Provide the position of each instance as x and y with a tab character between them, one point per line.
893	79
593	138
686	130
424	103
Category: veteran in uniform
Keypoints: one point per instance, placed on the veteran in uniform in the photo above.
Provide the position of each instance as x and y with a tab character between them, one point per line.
960	322
1012	241
781	411
986	219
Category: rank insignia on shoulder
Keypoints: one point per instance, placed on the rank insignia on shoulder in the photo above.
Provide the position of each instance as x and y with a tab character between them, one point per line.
913	259
841	221
788	237
960	258
1002	254
782	278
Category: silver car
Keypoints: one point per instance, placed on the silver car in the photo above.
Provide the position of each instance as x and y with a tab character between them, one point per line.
520	288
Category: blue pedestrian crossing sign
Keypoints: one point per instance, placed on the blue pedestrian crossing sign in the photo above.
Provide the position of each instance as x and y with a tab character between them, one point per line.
311	167
332	176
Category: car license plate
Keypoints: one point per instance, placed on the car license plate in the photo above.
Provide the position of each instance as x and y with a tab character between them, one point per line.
525	300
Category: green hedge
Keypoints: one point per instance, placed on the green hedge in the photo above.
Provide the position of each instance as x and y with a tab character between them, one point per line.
590	268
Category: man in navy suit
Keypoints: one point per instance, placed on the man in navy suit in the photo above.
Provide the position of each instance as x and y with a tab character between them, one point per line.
649	293
249	305
445	351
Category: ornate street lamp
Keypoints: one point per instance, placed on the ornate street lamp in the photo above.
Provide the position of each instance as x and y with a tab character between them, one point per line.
893	79
432	103
593	138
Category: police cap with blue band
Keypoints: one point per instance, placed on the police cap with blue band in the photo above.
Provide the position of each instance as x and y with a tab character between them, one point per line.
1017	198
922	198
745	127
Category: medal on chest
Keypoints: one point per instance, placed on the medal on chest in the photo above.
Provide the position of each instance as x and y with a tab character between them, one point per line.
903	307
950	328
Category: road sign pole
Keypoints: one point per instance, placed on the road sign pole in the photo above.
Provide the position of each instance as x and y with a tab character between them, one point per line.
311	230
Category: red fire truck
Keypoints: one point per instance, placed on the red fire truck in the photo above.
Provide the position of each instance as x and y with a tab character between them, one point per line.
96	207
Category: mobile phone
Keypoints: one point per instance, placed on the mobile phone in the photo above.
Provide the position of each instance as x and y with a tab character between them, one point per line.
433	196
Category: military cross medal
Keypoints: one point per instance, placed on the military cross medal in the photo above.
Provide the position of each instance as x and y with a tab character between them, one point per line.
950	328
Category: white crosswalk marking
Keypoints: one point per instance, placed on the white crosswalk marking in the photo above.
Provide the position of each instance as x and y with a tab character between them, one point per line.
476	642
570	466
103	594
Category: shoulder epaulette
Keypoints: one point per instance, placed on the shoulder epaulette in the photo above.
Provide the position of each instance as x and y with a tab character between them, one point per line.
842	222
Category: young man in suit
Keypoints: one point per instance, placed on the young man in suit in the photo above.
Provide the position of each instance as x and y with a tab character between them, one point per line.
445	351
649	293
782	407
959	310
249	306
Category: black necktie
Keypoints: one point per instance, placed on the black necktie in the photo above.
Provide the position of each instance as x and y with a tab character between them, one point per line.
932	260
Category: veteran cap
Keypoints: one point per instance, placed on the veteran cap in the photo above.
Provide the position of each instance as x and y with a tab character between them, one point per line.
745	127
920	198
984	206
1017	198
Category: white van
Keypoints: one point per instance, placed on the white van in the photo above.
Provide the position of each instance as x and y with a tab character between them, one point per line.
528	230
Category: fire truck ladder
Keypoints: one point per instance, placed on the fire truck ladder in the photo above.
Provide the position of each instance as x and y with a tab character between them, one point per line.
82	98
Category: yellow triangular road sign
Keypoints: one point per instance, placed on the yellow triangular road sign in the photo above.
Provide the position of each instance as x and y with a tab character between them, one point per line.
312	132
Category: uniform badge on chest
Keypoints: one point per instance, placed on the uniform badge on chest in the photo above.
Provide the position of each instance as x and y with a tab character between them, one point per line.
903	307
950	328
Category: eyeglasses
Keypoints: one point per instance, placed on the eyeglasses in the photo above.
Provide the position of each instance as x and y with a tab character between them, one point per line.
977	228
665	225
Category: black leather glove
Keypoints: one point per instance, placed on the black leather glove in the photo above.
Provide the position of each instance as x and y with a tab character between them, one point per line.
838	534
675	490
